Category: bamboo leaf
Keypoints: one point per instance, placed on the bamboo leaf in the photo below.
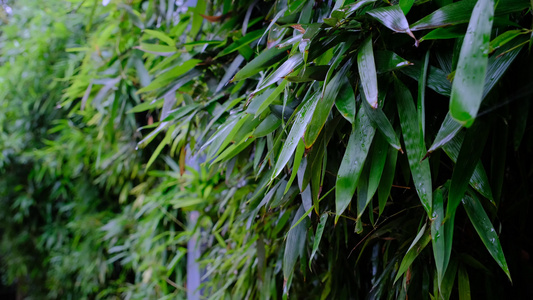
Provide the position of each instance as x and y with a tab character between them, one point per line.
345	101
264	60
447	132
387	178
286	68
414	144
479	180
440	235
469	155
382	123
387	61
393	18
242	42
419	243
318	235
467	88
295	243
353	161
165	78
161	36
297	131
367	72
324	105
485	230
406	5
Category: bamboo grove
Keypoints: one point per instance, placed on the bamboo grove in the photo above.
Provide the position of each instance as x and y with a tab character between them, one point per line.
251	149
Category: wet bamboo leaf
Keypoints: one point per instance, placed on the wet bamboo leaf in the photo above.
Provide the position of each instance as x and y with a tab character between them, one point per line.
270	97
444	33
353	7
297	131
406	5
264	60
448	130
382	123
165	78
387	61
469	155
345	101
244	41
230	72
367	72
460	12
310	73
479	180
448	281
324	105
385	183
379	156
295	243
419	243
485	230
414	144
269	124
467	88
300	149
505	38
286	68
440	235
318	235
421	103
353	161
393	18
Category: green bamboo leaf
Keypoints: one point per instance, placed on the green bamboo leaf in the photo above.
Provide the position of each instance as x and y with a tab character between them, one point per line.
345	101
387	61
378	158
387	178
393	18
479	180
318	235
165	78
467	88
297	131
414	144
295	244
286	68
448	130
310	73
324	105
270	97
353	161
419	243
460	12
406	5
161	36
367	72
353	7
443	33
269	124
505	38
448	281
242	42
362	194
440	235
230	72
485	230
421	103
157	49
264	60
464	284
382	123
298	155
469	155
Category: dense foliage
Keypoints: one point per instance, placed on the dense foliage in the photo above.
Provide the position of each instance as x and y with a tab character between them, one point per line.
266	149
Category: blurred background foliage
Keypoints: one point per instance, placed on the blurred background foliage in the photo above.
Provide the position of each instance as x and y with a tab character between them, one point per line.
245	149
